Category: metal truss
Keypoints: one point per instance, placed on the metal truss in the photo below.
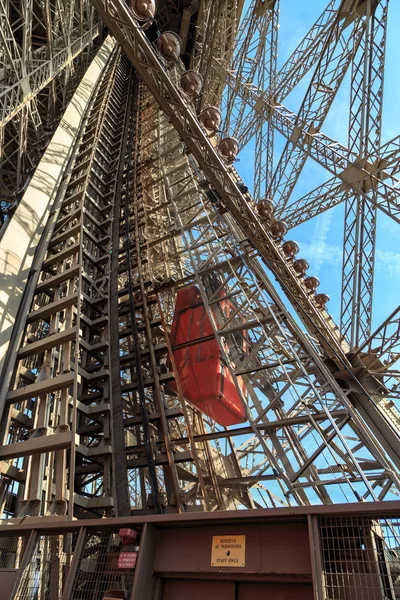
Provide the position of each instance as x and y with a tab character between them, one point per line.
44	49
280	362
245	124
62	364
383	192
365	175
161	86
93	423
332	193
359	246
383	349
313	203
179	218
304	56
366	102
384	342
217	28
336	55
255	56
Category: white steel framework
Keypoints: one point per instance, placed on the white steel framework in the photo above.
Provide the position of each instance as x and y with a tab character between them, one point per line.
92	423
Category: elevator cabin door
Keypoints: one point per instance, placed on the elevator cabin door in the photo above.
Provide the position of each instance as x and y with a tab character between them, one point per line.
274	591
195	589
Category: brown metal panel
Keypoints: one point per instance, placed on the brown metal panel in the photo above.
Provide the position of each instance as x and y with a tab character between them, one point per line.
195	589
274	591
285	548
189	549
186	544
272	548
8	578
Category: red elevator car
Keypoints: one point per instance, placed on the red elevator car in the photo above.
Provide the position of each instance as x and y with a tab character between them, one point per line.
206	382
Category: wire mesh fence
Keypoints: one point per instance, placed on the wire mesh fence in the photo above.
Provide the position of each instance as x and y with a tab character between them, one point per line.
44	576
360	558
107	566
12	549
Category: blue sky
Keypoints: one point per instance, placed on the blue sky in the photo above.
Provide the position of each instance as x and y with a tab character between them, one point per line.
321	239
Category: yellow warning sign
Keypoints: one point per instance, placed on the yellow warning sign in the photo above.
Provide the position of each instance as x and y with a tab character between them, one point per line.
228	551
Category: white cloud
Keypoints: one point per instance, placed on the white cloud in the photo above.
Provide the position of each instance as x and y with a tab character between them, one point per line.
321	255
388	262
318	252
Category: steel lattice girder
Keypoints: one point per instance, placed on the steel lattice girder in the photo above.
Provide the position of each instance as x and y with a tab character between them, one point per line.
308	436
366	103
44	49
328	153
208	247
331	193
179	113
244	125
366	53
160	84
